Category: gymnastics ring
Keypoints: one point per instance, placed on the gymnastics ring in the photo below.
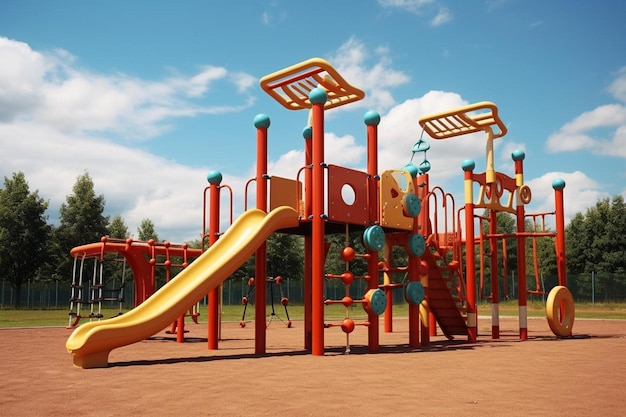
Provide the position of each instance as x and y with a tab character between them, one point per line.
560	298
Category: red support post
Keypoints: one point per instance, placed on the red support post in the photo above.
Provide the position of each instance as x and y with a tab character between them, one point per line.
308	198
518	157
214	225
558	185
318	98
372	120
262	123
495	288
422	270
470	262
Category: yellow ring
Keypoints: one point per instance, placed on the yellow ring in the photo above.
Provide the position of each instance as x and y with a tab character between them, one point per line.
525	194
560	299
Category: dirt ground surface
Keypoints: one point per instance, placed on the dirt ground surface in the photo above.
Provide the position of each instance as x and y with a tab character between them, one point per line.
579	376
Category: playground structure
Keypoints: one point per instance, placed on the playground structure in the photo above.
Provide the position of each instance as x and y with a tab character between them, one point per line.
143	258
392	208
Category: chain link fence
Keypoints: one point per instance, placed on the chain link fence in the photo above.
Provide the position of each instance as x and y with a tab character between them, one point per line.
588	288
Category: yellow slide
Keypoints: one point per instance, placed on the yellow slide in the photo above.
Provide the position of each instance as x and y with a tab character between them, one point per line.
91	343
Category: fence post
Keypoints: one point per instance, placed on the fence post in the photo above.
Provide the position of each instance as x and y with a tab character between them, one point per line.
593	288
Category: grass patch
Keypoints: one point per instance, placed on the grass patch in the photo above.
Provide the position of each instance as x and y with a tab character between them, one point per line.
10	317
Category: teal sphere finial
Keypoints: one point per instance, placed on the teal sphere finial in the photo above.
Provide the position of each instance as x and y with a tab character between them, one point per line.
214	177
318	96
558	184
371	118
261	121
518	155
468	165
307	132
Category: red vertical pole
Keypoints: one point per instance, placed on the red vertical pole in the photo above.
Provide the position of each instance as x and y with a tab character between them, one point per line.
518	157
495	289
422	270
558	185
470	262
372	119
308	198
262	123
413	271
214	178
318	98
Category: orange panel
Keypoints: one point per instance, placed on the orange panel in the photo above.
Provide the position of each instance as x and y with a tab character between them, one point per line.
285	192
393	186
347	195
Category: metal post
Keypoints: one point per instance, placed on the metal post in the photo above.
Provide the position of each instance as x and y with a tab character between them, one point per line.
593	288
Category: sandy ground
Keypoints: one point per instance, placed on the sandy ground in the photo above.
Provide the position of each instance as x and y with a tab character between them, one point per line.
581	376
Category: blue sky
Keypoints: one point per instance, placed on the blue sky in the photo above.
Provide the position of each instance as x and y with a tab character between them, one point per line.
148	96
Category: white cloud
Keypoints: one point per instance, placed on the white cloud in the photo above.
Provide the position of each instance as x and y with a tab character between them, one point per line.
413	6
443	16
421	7
618	87
21	75
352	61
50	89
399	130
580	192
601	131
338	150
58	121
135	183
265	18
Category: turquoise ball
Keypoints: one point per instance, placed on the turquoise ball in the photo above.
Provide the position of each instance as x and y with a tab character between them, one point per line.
468	165
318	96
558	184
371	118
518	155
214	177
307	132
261	121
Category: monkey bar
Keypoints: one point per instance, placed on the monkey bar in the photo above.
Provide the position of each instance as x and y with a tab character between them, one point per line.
291	86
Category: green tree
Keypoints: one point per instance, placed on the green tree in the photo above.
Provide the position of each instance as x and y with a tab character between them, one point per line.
596	243
81	221
118	229
146	231
285	256
24	232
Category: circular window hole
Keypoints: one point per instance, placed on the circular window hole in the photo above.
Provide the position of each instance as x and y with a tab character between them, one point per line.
347	194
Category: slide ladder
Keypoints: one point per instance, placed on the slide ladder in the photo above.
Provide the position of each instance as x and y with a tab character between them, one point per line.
446	291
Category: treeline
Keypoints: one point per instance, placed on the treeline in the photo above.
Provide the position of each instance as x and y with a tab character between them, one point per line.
32	249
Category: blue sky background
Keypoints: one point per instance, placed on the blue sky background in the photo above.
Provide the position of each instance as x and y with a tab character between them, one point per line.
148	96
